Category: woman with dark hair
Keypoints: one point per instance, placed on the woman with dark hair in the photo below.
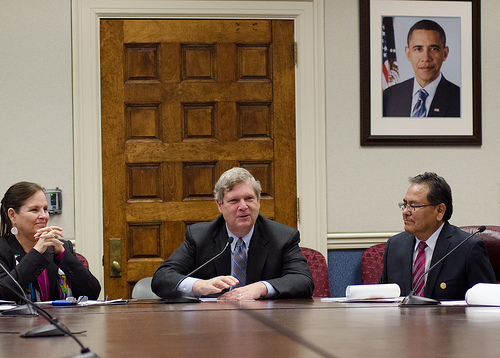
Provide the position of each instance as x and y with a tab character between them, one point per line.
43	264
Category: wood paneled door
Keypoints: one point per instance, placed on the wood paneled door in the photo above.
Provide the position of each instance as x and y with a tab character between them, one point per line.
183	101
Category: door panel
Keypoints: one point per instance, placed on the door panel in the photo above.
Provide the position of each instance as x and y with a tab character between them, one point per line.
181	102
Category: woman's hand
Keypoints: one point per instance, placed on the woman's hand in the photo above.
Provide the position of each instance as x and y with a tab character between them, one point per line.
49	237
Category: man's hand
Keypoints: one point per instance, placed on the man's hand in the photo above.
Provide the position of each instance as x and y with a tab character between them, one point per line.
253	291
214	285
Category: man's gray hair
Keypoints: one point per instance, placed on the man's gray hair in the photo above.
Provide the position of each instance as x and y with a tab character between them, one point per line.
232	177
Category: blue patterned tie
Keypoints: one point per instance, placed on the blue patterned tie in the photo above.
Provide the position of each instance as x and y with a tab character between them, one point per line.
419	109
239	266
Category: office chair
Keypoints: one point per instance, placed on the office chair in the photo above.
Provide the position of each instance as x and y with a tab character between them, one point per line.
319	270
142	289
372	264
491	237
82	259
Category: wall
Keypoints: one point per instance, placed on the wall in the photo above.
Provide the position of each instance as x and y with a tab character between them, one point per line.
36	135
366	183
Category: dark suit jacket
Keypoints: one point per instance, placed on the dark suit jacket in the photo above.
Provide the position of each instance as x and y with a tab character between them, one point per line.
32	264
451	279
273	255
446	101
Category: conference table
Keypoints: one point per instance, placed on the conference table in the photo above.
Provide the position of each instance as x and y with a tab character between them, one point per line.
264	328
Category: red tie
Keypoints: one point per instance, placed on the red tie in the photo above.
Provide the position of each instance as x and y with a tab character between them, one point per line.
418	270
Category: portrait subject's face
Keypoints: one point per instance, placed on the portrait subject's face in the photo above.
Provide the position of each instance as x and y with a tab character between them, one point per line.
426	53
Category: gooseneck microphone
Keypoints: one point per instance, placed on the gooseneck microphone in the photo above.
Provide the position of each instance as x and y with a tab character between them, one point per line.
24	310
54	328
411	299
176	296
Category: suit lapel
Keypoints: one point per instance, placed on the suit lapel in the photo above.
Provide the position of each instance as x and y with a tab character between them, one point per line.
440	102
408	248
52	270
257	253
406	98
441	248
222	263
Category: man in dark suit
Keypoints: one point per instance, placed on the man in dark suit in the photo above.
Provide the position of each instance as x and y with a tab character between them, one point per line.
275	266
427	207
428	94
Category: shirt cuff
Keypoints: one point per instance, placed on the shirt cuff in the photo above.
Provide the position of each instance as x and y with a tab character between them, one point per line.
59	257
271	291
186	286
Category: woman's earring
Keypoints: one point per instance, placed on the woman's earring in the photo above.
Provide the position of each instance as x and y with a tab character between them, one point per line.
14	230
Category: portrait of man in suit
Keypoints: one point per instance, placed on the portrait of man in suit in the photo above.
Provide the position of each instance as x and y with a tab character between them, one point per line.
428	93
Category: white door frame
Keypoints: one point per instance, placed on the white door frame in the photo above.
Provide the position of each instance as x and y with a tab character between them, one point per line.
310	105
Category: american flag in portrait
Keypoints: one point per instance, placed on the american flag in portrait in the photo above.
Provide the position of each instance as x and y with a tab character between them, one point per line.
390	71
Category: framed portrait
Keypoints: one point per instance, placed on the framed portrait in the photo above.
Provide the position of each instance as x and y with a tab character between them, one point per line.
420	72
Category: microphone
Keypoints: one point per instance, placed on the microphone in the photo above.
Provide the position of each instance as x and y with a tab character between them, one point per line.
176	296
24	310
54	328
412	300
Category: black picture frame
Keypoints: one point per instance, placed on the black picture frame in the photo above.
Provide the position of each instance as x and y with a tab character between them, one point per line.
378	130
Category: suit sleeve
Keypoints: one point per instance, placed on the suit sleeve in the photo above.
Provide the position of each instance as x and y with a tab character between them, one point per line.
26	272
296	279
81	280
479	267
173	270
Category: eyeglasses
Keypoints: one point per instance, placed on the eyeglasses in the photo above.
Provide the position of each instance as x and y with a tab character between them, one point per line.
412	208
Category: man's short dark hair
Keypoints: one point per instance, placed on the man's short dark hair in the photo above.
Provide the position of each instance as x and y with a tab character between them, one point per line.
427	25
439	191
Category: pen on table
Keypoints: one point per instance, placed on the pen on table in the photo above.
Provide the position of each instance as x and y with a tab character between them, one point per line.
62	303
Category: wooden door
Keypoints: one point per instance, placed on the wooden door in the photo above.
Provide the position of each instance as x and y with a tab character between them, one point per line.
181	102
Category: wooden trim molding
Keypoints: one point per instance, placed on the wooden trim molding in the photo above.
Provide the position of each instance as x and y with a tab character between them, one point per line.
310	104
344	241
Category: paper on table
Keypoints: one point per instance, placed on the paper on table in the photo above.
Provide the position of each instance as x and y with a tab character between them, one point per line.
483	294
386	292
6	306
107	302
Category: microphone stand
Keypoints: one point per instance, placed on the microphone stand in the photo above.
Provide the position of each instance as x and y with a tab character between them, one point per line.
48	329
23	310
177	297
412	300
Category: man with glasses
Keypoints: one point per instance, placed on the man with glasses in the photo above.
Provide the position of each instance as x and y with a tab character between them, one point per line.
428	236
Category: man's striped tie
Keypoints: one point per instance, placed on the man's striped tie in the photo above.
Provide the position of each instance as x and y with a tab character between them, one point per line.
419	269
419	109
240	263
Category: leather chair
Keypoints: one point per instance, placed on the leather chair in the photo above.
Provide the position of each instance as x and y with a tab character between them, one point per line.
83	260
491	237
372	264
319	270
